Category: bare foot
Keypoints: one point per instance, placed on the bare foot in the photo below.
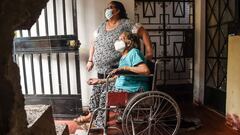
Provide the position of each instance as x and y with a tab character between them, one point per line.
82	119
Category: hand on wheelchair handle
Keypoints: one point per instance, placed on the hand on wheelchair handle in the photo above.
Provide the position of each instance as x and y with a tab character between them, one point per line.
116	72
93	81
121	71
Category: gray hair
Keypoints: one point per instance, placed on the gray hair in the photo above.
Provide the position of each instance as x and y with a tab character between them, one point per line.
134	38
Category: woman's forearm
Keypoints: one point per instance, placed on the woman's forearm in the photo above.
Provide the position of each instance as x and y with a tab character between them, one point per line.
101	81
148	46
91	52
140	69
147	43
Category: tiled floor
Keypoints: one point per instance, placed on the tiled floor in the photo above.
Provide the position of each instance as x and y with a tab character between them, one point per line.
212	123
72	126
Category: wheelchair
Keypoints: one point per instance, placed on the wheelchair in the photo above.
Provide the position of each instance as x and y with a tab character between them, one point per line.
144	113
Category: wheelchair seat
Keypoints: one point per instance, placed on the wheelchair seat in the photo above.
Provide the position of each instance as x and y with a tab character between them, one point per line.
119	99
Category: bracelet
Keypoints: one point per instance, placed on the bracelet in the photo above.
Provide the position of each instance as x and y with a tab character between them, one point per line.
90	61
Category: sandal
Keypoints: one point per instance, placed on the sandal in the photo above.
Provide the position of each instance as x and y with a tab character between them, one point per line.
81	120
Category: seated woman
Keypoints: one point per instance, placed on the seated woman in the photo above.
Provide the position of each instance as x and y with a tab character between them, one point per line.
132	60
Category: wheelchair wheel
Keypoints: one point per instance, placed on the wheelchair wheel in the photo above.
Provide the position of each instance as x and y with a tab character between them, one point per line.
151	113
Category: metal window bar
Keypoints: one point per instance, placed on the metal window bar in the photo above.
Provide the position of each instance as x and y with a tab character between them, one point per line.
74	11
31	49
60	44
59	75
37	29
68	78
50	72
64	17
167	21
56	10
48	80
46	21
33	75
77	71
55	17
41	73
24	74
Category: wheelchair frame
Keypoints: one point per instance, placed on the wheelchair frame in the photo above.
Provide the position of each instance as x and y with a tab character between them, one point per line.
151	112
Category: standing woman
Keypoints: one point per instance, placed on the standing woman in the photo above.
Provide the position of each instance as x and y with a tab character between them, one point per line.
102	54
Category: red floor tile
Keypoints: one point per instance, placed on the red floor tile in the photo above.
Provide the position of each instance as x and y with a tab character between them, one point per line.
72	126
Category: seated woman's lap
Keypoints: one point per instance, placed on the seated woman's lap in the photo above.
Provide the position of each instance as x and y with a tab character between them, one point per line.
98	96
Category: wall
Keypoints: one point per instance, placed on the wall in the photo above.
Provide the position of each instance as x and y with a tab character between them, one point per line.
233	85
12	114
199	59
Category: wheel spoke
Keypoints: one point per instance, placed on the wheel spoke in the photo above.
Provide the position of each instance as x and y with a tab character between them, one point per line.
143	131
154	113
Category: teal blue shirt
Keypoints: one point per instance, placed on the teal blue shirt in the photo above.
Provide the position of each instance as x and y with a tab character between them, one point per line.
132	83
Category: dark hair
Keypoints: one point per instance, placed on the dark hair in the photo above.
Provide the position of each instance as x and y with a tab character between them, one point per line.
121	8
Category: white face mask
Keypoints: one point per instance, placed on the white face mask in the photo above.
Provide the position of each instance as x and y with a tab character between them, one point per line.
108	13
120	46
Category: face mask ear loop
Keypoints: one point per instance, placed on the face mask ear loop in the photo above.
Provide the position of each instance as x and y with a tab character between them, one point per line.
128	43
118	12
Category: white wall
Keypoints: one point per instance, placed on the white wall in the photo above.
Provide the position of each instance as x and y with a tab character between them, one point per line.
233	76
90	15
199	59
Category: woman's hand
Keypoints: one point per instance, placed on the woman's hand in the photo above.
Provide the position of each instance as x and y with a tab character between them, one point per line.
89	65
115	71
93	81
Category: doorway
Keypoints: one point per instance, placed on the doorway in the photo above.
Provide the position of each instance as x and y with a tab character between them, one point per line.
219	14
48	59
170	24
